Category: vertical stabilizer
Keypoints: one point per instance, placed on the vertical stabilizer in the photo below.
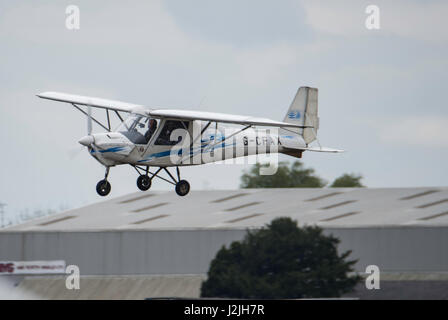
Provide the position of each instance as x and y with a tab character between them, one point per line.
303	111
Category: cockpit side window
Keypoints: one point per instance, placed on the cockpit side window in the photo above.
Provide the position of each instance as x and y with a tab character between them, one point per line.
170	126
138	129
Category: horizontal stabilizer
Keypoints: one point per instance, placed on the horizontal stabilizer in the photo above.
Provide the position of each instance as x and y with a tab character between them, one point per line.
323	149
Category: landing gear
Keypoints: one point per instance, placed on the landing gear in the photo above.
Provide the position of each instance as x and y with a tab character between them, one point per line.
143	182
182	188
103	187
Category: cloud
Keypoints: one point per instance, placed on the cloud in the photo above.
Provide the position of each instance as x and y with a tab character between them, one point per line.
419	20
144	23
144	54
148	28
423	131
335	17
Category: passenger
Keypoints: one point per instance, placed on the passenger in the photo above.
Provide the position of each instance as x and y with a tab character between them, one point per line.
152	127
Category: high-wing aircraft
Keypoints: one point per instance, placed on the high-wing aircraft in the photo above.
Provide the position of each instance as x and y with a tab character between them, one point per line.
163	138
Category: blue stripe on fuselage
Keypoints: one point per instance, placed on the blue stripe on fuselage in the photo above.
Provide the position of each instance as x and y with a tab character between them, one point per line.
113	149
168	152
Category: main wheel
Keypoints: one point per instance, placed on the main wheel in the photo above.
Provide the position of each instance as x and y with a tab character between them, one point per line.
182	188
143	182
103	188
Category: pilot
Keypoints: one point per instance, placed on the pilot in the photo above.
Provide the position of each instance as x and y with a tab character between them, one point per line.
152	127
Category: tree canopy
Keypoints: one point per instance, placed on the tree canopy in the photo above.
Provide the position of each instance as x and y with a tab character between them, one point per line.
348	180
293	176
281	261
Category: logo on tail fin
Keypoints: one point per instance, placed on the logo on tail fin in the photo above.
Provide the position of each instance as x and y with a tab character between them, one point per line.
294	115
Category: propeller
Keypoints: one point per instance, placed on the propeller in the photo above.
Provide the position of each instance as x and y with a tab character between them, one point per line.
88	140
89	120
73	152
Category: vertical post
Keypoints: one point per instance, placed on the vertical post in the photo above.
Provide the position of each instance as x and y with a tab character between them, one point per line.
108	119
2	213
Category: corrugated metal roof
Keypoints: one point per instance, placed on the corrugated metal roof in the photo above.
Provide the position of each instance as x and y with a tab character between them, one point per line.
393	286
230	209
111	287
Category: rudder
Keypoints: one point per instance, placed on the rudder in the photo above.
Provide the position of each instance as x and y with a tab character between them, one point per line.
303	111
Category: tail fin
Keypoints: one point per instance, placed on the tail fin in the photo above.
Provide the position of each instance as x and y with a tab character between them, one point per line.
303	111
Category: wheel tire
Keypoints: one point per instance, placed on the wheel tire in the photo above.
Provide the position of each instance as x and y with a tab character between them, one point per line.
143	182
103	188
182	188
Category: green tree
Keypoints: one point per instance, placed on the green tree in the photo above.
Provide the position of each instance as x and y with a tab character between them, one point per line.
294	176
348	180
281	261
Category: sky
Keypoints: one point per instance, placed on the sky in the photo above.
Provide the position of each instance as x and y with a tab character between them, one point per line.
382	93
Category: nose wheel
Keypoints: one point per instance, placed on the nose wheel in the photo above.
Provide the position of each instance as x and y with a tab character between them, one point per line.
103	187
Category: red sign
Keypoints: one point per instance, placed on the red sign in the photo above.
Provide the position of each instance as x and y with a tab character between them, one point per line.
32	267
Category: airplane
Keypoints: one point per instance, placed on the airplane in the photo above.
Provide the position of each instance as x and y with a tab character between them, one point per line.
164	138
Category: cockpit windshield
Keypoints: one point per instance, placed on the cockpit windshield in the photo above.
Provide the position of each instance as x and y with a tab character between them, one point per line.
138	129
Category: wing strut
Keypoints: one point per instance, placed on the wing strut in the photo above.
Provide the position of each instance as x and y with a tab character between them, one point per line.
200	135
195	139
233	134
96	121
118	115
108	128
216	143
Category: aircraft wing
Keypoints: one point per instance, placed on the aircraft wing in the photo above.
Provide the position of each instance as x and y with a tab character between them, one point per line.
218	117
164	113
91	101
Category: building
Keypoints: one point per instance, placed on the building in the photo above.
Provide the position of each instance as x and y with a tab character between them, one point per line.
146	237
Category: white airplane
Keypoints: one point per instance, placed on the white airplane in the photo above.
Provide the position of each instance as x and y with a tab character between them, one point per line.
162	138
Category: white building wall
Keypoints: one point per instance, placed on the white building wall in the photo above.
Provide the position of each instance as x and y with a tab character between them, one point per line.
127	252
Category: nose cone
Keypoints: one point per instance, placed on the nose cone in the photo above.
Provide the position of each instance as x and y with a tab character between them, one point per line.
86	141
